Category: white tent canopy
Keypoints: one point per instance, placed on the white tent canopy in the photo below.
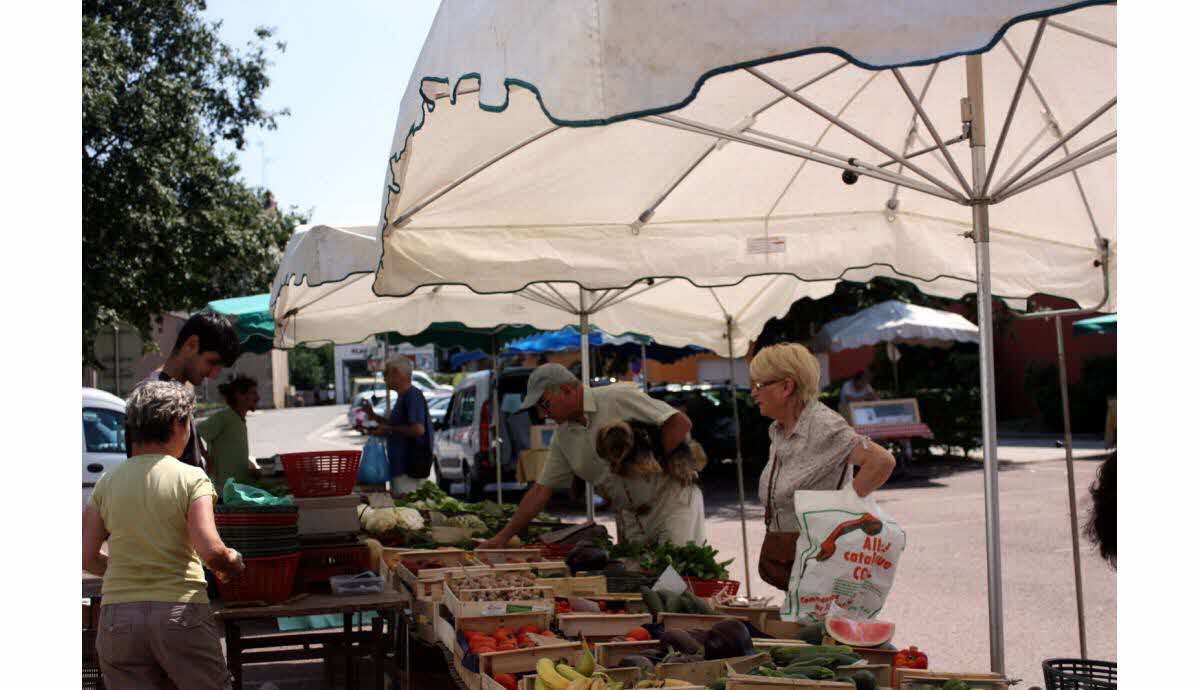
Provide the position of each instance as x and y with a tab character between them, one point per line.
896	322
741	179
322	293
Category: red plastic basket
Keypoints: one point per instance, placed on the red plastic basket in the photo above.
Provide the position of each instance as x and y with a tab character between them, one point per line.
707	588
556	552
322	473
318	565
271	579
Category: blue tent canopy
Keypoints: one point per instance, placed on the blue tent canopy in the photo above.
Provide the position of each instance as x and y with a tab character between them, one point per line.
628	344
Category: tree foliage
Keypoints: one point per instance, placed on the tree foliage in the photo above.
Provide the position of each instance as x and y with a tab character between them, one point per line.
310	368
167	225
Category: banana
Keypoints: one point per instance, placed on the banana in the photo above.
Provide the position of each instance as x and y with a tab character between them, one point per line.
539	684
588	665
675	683
598	683
568	672
550	676
579	684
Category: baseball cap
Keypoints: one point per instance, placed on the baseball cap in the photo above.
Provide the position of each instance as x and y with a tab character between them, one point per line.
545	376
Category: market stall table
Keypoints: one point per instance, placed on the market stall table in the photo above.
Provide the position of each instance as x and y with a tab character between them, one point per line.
376	641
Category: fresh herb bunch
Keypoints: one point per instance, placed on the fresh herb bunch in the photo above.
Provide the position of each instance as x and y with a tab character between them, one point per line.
690	560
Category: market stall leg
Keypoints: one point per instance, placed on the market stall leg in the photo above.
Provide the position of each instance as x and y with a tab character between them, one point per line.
233	651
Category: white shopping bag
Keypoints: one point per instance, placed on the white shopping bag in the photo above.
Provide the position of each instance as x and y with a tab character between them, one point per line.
847	554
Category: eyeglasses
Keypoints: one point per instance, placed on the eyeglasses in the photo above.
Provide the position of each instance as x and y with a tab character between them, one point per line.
759	385
543	404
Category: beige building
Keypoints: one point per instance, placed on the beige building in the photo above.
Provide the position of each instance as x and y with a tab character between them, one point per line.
125	365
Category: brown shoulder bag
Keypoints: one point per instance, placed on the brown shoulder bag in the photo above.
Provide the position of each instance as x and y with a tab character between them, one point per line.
779	548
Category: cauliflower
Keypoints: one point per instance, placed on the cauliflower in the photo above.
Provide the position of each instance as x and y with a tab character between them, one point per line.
471	521
383	520
409	519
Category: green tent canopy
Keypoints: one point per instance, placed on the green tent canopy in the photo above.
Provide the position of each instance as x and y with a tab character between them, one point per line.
1098	324
252	319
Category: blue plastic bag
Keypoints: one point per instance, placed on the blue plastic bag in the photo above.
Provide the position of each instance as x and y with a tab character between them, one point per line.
374	467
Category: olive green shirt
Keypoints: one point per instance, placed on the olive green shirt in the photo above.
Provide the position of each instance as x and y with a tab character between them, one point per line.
573	448
144	504
228	446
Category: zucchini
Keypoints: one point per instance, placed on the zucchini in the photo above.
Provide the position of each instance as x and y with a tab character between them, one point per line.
672	602
653	601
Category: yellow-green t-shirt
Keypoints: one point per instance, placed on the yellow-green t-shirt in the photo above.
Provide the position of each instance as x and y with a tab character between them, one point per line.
144	503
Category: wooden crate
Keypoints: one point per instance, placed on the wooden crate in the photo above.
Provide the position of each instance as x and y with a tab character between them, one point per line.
528	554
576	586
692	621
873	655
600	624
520	661
704	673
628	677
427	584
463	603
906	678
609	653
633	603
756	615
739	681
882	673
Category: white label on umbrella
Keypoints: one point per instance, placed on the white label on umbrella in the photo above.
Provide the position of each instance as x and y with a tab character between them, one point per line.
766	245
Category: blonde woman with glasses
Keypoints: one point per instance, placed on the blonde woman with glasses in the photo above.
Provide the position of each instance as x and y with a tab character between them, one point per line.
812	448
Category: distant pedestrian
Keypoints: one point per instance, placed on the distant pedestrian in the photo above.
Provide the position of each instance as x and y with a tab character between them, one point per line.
856	389
407	428
225	432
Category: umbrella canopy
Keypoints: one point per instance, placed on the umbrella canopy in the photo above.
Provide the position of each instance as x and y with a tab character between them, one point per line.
323	293
896	322
251	319
727	124
1097	324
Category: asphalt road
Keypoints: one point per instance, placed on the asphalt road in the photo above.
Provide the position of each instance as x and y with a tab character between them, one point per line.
939	600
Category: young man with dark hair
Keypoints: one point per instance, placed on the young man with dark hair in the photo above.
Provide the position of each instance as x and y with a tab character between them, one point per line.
206	343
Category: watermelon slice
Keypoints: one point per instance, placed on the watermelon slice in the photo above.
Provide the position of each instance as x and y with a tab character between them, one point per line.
859	633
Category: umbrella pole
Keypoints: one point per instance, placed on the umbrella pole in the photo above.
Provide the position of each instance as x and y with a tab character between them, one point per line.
586	376
495	449
645	379
737	434
982	238
1062	383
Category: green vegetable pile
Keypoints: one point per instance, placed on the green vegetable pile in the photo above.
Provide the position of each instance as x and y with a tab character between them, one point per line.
689	560
487	516
814	663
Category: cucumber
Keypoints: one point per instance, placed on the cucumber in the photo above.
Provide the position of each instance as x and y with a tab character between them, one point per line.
696	605
672	602
788	655
653	600
811	672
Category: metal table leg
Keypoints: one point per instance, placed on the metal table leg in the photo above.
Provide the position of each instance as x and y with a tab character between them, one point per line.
348	647
378	650
233	647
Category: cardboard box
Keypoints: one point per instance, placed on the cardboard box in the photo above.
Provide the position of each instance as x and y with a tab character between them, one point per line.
540	435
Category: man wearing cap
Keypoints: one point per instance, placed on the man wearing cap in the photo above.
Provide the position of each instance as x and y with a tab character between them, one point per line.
651	510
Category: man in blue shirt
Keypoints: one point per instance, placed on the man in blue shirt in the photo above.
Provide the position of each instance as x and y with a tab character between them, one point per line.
407	429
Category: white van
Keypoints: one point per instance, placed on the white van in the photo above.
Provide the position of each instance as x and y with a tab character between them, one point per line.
461	439
103	436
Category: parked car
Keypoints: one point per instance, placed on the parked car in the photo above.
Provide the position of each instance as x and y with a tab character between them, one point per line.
103	436
713	427
420	379
461	440
438	407
357	419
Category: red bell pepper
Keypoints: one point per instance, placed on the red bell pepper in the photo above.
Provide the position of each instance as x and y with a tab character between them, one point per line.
910	658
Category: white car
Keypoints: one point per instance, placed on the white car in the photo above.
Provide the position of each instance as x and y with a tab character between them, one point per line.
103	436
355	417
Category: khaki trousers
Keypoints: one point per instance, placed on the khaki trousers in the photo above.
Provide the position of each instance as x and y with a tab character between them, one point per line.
161	645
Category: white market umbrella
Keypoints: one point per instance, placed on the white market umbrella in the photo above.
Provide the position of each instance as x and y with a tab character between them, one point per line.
604	142
322	293
895	322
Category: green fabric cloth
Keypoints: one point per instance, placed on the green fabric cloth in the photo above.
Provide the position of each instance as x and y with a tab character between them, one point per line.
1098	324
252	320
228	446
328	620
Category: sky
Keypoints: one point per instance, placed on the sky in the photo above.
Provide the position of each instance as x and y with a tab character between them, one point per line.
342	76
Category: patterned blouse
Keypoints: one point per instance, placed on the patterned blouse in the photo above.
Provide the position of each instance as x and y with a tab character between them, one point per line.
811	456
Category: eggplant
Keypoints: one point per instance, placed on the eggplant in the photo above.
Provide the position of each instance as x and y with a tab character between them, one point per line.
728	638
584	557
639	662
680	641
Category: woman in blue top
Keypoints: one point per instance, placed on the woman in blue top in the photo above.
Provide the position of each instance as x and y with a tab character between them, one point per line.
407	428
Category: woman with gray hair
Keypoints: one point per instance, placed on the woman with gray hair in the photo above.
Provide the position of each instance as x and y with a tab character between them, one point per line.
156	629
812	447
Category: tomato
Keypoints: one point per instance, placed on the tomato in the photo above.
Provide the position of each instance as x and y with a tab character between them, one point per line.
502	633
508	680
529	628
472	634
639	634
506	645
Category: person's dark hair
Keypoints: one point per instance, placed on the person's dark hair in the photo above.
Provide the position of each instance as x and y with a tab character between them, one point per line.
1102	528
235	385
861	375
154	407
216	334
